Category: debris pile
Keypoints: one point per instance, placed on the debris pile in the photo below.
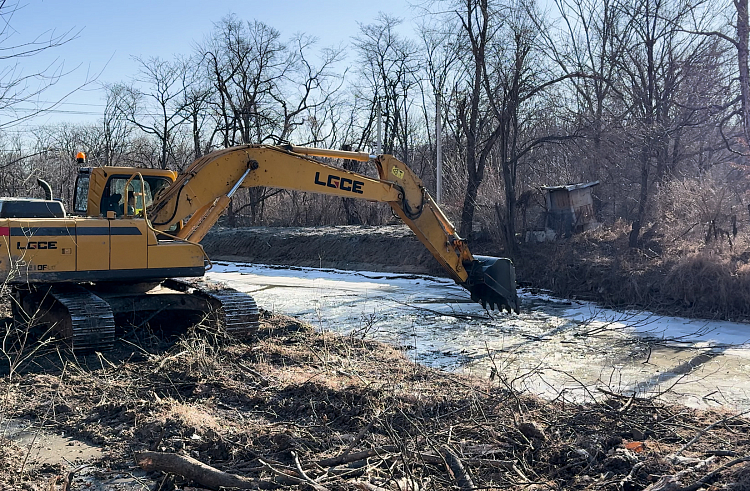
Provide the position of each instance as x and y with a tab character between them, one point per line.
300	409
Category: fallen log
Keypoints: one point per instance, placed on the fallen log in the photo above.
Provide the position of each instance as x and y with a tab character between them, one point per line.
197	471
425	457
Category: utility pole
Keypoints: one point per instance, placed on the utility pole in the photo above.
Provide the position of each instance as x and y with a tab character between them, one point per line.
379	116
439	150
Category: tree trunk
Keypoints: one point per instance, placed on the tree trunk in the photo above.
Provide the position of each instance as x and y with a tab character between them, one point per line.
643	198
231	215
196	137
164	146
743	32
351	209
470	200
510	222
192	469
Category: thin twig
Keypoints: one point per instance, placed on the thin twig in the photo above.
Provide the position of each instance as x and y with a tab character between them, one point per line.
709	428
712	475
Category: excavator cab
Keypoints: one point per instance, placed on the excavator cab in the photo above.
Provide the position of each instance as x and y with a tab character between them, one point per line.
102	189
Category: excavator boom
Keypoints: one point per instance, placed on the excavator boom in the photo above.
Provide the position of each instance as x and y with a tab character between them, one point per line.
204	190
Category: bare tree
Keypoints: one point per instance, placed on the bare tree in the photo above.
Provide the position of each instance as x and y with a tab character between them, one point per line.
740	44
479	24
590	43
439	59
266	89
307	88
54	149
246	62
658	62
19	89
388	75
116	130
155	102
196	95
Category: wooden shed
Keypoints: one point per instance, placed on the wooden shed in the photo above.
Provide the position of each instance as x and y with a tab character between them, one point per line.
570	208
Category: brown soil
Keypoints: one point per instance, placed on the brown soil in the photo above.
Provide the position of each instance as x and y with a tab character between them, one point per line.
293	391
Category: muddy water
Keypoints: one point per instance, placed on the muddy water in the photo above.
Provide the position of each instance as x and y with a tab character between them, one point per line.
555	348
45	450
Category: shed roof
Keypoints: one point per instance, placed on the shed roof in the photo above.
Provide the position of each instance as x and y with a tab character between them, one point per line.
571	187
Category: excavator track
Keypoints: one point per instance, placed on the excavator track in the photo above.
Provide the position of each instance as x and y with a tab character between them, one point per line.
80	318
236	312
91	324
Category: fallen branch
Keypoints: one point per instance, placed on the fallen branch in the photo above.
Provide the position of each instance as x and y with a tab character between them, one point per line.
707	429
347	458
366	486
305	477
197	471
68	481
633	471
361	434
713	474
424	457
453	461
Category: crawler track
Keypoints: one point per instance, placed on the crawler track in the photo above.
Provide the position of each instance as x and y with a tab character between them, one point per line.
236	312
90	323
85	319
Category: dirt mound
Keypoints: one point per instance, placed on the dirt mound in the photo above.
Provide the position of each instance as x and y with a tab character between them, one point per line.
296	406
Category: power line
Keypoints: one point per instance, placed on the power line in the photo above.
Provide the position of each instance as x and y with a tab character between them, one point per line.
56	111
56	103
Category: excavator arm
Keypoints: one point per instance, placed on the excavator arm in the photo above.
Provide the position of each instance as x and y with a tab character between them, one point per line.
204	190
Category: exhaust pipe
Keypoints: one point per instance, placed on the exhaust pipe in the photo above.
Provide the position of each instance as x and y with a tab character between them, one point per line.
45	187
492	281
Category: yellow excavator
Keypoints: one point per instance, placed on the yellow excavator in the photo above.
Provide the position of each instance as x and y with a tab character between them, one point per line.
131	242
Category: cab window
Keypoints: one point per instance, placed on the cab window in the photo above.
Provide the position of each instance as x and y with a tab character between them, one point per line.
114	196
81	198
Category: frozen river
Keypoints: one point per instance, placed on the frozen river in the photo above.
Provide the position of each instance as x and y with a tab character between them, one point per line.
554	348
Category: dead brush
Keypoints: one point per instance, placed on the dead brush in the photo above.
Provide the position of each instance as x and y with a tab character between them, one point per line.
709	284
200	349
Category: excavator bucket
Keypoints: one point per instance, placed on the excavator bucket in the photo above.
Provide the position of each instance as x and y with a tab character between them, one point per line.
492	282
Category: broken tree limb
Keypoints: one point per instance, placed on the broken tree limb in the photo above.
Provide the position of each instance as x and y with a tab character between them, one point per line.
306	478
193	469
366	486
708	478
425	457
284	474
707	429
347	458
453	461
362	433
68	479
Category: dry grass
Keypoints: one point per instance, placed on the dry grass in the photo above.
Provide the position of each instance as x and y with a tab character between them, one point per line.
319	395
679	277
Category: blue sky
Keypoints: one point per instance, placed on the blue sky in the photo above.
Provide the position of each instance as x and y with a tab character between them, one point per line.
111	33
